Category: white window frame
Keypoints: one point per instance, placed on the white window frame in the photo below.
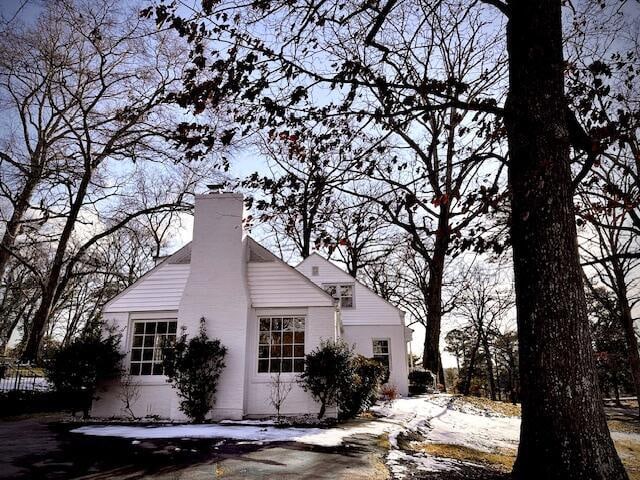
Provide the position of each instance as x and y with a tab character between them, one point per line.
293	357
132	346
388	354
339	287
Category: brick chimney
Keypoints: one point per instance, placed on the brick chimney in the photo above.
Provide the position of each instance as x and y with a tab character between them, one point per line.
217	290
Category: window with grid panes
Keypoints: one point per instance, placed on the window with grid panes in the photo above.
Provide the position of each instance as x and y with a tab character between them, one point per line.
281	344
146	346
382	353
341	292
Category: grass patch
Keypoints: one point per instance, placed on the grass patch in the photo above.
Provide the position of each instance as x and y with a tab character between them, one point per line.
383	441
629	452
501	460
380	469
624	426
503	408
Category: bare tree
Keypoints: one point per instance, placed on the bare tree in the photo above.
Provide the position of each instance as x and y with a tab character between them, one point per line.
484	304
280	390
129	393
88	86
563	418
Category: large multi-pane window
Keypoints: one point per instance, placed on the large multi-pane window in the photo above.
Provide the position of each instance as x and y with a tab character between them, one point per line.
382	353
341	292
281	344
146	348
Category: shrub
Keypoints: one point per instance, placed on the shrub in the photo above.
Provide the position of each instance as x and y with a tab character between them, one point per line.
360	392
326	370
389	393
420	381
193	367
77	367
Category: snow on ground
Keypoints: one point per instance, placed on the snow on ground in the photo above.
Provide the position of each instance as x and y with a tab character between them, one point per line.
428	419
433	418
440	419
325	437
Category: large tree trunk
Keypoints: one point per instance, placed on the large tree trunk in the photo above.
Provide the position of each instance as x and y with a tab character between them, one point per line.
489	365
564	434
41	317
431	353
466	386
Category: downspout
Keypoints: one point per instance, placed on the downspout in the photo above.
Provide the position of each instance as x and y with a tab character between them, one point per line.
337	323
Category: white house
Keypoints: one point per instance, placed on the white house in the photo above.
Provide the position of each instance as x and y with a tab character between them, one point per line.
264	311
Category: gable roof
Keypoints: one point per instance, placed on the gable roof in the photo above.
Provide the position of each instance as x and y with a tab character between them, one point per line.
256	253
175	258
266	255
335	267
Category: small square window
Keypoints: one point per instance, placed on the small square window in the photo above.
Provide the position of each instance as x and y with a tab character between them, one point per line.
315	271
343	293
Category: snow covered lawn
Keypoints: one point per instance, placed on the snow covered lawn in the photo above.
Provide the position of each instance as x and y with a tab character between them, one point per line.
249	431
441	426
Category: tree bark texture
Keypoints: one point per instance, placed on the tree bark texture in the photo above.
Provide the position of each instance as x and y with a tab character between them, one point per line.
564	434
431	353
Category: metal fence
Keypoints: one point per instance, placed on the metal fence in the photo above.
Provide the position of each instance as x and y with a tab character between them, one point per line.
16	376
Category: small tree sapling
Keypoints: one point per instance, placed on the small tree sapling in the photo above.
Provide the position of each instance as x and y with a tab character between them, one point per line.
279	392
129	394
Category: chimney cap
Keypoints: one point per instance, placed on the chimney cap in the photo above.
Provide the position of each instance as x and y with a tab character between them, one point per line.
216	187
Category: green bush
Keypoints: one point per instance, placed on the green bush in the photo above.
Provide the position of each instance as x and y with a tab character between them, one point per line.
76	368
193	367
333	375
420	381
360	392
326	370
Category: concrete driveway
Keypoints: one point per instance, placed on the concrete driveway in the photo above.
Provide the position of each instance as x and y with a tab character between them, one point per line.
43	447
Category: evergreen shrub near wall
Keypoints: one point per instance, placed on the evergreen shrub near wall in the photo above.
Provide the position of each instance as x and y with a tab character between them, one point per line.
193	367
359	392
335	376
76	369
420	381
